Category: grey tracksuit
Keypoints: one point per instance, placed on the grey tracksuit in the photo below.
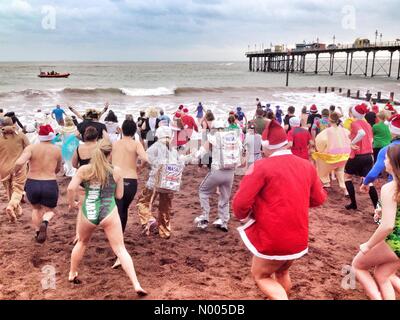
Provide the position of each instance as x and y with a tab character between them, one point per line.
217	178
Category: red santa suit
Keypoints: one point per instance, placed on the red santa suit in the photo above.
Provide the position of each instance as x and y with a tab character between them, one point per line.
276	195
189	122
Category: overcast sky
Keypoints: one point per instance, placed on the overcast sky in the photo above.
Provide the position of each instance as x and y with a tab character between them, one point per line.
174	30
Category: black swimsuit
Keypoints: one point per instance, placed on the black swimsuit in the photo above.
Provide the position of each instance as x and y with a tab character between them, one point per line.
82	162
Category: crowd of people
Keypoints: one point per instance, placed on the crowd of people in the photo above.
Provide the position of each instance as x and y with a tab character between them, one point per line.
290	163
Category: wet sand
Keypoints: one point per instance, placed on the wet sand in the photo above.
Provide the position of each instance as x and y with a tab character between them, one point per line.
193	264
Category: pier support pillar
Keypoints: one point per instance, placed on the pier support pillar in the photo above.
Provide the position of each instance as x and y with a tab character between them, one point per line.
390	65
373	64
250	61
316	62
351	64
347	64
366	64
398	72
331	67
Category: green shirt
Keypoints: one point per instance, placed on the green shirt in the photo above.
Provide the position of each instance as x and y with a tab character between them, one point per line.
382	136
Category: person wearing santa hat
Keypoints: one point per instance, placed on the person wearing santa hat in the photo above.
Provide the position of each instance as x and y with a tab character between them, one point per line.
188	122
361	158
275	203
45	161
312	116
389	107
379	167
180	138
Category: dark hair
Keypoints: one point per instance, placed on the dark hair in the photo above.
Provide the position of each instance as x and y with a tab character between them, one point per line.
142	113
161	112
1	110
91	134
260	112
304	110
332	108
325	113
231	119
111	117
210	116
270	115
291	110
129	128
334	117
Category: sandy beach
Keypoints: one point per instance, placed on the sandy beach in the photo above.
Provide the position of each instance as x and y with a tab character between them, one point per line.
193	264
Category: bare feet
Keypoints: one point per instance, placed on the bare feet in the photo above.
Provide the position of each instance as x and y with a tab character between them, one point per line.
141	292
11	214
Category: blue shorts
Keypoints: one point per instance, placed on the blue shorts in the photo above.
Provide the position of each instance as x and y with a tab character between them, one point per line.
42	192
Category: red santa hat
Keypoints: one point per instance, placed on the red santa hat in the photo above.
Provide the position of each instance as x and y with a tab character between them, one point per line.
46	133
274	136
359	111
313	109
186	110
375	108
394	125
178	115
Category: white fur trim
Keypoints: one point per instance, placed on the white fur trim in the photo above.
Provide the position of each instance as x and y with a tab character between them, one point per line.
47	138
277	146
281	153
394	129
356	114
253	250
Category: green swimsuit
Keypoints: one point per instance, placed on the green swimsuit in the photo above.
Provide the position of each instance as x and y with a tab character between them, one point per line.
393	240
99	202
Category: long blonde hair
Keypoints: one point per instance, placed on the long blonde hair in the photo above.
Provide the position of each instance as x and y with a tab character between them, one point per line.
100	168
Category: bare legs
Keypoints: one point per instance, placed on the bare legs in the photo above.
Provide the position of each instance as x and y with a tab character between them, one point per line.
379	286
272	277
41	217
113	230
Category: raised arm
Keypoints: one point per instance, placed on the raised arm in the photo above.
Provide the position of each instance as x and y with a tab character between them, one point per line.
106	105
76	113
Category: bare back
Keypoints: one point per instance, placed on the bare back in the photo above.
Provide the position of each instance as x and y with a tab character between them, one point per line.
125	155
45	161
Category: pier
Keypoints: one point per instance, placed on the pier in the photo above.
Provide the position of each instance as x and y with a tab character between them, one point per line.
294	60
